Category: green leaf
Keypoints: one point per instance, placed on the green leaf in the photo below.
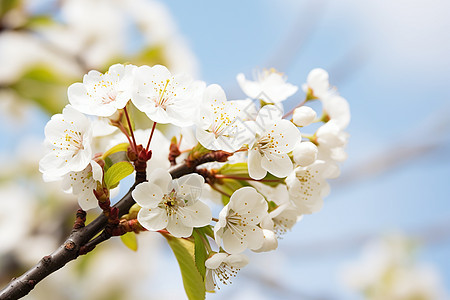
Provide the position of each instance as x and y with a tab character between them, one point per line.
117	172
241	170
114	158
117	148
184	251
200	251
129	239
206	230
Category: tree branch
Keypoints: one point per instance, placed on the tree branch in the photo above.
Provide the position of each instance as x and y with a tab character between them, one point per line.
79	237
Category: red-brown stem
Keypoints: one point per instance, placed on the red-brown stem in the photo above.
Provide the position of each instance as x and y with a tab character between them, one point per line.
129	126
151	136
124	131
292	110
219	191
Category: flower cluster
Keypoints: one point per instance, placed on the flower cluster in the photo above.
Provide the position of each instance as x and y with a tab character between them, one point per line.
250	156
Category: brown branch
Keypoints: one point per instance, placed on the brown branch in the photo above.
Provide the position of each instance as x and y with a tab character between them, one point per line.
83	236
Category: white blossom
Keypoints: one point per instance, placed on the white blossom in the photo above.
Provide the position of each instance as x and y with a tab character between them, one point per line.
103	94
172	204
303	116
167	98
331	141
219	126
307	186
305	153
83	183
275	138
238	220
269	86
317	84
337	110
222	266
67	137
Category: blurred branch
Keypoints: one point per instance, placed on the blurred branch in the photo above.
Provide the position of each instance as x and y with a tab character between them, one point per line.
432	234
302	30
403	151
285	291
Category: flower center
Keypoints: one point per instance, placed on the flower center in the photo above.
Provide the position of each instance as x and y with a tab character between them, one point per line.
71	141
171	203
224	272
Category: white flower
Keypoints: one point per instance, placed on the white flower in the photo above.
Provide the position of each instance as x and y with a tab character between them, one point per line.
285	216
172	204
307	186
223	266
270	86
219	126
317	84
82	184
238	220
103	94
337	110
332	141
275	138
68	137
303	116
282	218
305	153
167	98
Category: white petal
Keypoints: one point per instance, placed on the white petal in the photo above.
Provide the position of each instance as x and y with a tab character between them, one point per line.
189	187
233	243
285	135
254	237
216	260
153	218
255	170
97	171
147	194
87	200
176	228
200	214
268	115
237	260
279	165
161	178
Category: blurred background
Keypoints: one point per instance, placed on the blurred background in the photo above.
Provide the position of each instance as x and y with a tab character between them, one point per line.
384	232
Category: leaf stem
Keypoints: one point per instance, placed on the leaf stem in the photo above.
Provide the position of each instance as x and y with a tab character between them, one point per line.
130	127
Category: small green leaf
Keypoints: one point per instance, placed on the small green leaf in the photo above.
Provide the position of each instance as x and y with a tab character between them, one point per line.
206	230
184	251
200	251
117	172
117	148
114	158
240	169
129	239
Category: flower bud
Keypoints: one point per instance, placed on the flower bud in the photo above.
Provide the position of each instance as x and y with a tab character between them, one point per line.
303	116
305	153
